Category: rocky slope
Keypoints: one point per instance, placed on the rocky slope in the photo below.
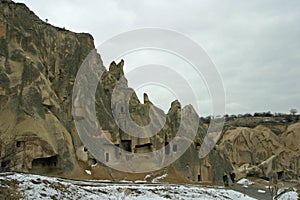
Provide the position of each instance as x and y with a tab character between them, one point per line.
38	67
262	151
38	64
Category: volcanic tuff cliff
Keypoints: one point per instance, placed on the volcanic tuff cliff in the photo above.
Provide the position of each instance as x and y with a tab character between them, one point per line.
270	150
38	66
39	63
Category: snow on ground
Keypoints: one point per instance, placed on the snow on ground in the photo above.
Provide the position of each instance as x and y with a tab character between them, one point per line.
147	176
156	180
140	181
42	187
88	172
245	181
261	191
289	196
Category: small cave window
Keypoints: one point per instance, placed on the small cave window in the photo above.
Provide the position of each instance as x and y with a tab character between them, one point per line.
106	157
280	175
18	144
225	180
232	177
122	109
175	148
199	178
167	148
85	149
198	146
4	164
126	145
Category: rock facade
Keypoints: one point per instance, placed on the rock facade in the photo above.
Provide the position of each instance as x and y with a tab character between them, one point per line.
38	67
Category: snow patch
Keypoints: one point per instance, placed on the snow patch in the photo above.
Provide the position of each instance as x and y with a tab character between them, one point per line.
88	172
245	181
261	191
156	180
147	176
140	181
125	181
292	195
94	165
42	187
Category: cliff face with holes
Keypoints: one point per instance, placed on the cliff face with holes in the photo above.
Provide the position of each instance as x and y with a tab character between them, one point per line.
38	64
269	150
38	67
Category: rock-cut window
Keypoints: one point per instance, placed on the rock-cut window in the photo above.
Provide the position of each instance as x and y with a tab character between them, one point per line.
18	144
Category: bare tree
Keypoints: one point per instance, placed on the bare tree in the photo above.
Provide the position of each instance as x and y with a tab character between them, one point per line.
293	111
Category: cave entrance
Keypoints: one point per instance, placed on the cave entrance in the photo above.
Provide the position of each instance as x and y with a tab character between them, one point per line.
199	178
145	148
167	148
280	175
5	164
45	164
126	144
198	146
19	144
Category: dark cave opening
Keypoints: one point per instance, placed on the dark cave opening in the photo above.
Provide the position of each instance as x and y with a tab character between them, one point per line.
45	163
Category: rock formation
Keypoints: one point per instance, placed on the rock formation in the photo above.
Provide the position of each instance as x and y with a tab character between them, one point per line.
38	67
260	152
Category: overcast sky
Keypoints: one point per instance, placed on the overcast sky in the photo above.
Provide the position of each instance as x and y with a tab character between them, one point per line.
255	45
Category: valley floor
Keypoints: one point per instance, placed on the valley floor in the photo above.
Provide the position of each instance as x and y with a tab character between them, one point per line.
28	186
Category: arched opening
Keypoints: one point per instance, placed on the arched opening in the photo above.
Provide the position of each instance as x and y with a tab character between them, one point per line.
45	164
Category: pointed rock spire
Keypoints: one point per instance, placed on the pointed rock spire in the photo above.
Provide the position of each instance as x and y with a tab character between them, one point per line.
146	99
